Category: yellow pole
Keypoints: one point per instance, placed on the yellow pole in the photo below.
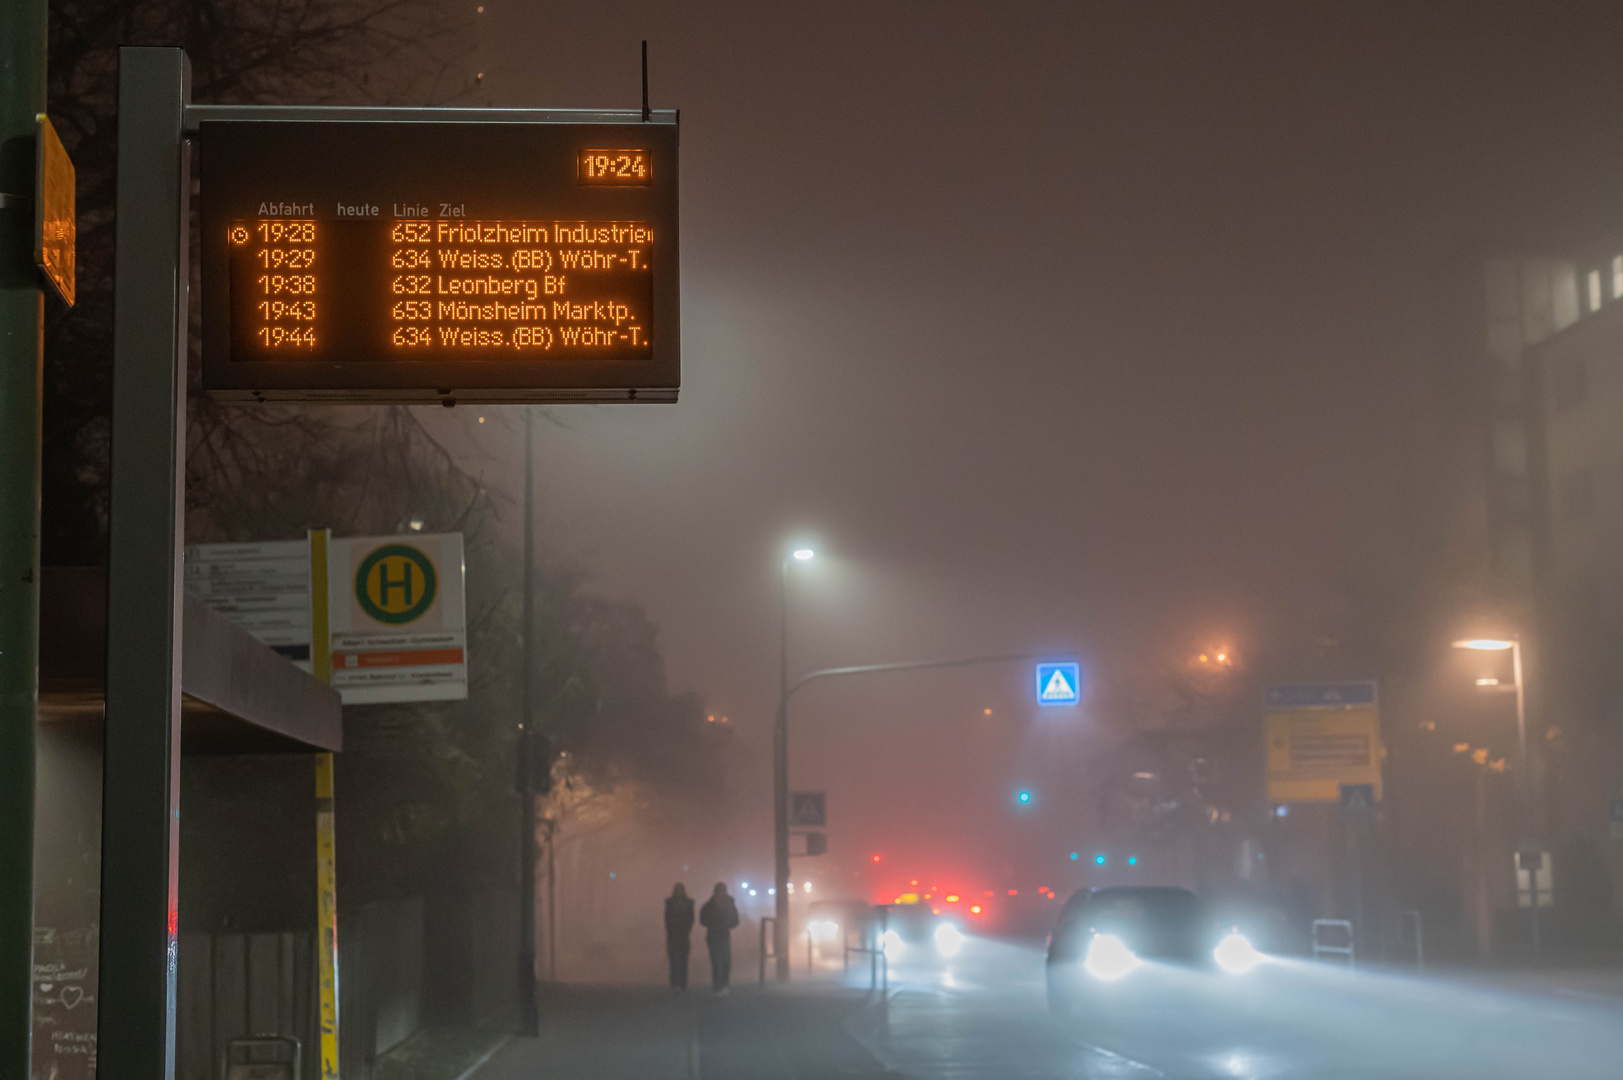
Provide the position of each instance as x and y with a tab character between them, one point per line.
320	632
326	866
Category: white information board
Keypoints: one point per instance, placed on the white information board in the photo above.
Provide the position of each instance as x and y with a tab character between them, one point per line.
396	619
263	588
396	616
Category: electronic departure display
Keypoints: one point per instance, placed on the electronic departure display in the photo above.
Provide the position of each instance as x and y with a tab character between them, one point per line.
368	261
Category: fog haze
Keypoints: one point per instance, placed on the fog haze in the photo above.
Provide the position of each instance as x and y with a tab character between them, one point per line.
1105	329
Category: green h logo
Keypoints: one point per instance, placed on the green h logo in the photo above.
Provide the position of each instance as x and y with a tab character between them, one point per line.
395	584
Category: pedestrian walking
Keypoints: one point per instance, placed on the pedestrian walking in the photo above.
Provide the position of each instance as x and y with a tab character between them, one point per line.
718	917
678	931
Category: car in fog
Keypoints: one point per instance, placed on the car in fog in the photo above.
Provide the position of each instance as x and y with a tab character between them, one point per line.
832	924
912	924
1108	943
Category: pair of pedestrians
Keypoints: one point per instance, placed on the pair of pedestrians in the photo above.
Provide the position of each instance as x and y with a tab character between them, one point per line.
718	917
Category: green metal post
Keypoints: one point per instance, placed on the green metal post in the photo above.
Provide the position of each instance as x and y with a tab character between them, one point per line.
22	317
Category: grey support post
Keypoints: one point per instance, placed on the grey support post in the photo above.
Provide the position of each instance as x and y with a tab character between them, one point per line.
141	811
22	97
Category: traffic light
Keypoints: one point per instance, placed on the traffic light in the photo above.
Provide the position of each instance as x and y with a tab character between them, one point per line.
538	768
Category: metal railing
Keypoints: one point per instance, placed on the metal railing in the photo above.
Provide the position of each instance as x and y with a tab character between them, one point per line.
870	943
766	921
1407	919
1322	949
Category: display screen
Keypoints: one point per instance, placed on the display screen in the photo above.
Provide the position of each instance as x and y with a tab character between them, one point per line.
381	290
464	261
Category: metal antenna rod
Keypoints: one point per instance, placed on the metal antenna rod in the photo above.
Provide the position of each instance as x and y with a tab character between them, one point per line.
646	114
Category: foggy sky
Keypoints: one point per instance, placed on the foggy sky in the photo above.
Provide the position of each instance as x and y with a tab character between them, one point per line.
1101	328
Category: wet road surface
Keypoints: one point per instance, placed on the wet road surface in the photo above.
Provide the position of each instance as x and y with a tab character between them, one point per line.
983	1016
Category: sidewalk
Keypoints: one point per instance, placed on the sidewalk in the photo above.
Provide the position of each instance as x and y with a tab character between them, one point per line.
1594	985
643	1033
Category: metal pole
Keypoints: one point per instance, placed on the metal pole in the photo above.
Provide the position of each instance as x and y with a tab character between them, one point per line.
1482	906
552	901
780	782
529	1021
1353	848
327	986
22	316
884	957
1530	824
140	843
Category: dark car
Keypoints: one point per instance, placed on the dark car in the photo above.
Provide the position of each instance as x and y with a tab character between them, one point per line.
1108	942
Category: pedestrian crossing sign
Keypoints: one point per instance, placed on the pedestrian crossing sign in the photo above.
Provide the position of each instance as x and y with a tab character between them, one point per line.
1059	683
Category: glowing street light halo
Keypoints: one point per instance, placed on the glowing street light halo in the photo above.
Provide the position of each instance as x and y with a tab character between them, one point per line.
1485	644
803	554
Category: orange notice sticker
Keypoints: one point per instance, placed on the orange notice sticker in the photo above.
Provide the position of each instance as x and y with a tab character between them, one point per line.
401	658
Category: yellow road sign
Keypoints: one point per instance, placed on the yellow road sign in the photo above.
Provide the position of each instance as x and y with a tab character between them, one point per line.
1312	752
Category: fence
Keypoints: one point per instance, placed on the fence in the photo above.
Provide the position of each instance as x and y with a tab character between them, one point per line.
870	942
767	924
471	953
1411	937
236	984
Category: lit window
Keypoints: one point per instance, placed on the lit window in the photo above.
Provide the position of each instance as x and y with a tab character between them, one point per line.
1617	277
1594	290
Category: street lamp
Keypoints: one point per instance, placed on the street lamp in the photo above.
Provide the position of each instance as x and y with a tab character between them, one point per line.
780	771
1524	783
1515	647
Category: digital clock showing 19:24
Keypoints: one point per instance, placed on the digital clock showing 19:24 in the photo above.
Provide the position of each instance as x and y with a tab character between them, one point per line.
615	168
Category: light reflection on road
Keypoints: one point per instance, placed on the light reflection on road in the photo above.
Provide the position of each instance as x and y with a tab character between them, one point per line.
983	1016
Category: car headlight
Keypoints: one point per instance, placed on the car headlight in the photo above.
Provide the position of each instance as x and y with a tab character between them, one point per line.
892	945
823	930
1235	954
948	940
1108	957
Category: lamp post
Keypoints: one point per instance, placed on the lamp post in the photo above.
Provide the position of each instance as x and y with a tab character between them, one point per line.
529	1021
1524	781
780	772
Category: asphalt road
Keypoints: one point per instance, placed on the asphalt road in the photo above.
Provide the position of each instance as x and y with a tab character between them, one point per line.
983	1016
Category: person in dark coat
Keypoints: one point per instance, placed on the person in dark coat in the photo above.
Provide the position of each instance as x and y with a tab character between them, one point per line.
718	917
678	928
